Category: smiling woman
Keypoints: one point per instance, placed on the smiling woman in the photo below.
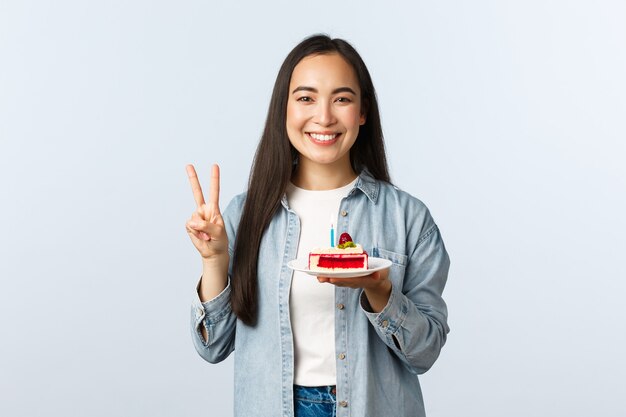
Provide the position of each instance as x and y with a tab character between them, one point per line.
304	347
323	119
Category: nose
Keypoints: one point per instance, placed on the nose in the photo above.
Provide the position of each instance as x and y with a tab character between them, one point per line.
325	115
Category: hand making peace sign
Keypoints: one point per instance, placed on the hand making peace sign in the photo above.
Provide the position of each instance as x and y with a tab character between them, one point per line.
206	226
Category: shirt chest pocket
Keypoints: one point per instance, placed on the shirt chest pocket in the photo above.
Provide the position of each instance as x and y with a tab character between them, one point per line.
398	264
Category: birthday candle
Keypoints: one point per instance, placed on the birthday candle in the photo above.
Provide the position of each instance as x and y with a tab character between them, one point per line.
332	231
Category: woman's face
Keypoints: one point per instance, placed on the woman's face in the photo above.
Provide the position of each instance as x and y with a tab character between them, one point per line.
324	109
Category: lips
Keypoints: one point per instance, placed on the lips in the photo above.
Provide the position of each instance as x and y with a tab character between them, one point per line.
323	138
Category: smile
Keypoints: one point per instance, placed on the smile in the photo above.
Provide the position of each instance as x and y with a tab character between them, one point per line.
323	139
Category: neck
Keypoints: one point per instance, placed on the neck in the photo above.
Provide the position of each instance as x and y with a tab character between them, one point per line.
318	177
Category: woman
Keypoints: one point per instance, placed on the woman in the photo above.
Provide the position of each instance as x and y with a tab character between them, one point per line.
304	347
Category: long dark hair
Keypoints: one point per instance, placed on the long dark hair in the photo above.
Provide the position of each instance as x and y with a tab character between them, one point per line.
274	165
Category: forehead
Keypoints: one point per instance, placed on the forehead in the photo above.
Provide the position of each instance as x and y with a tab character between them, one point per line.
327	71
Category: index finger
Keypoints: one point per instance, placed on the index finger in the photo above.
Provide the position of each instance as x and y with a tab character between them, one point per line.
195	185
214	191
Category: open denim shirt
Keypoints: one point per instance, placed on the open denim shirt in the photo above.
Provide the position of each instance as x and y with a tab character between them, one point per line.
379	355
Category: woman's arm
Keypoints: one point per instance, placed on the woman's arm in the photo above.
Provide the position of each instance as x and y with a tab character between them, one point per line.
212	320
413	324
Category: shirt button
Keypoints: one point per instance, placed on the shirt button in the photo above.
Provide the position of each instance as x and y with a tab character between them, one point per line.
342	356
340	306
385	323
343	403
344	213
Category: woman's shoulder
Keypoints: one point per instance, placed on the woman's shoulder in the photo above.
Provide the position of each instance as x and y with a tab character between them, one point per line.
389	193
238	200
234	208
404	205
389	190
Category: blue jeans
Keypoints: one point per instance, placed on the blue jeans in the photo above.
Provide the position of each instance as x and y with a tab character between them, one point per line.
314	401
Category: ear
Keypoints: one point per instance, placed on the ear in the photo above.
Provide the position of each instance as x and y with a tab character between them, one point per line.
364	109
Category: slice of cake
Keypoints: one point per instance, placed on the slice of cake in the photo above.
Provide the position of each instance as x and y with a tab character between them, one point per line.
346	256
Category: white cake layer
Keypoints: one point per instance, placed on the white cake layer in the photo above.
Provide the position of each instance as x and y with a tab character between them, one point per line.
338	251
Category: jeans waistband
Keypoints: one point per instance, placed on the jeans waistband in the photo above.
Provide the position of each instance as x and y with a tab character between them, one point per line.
326	393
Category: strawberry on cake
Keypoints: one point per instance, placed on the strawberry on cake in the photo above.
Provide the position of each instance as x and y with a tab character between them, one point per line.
346	256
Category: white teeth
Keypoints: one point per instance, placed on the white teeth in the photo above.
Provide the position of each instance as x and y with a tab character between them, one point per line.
323	137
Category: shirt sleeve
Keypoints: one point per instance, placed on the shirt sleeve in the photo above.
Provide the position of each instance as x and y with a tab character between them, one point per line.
219	321
413	324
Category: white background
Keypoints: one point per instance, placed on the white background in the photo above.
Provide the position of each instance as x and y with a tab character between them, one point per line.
506	118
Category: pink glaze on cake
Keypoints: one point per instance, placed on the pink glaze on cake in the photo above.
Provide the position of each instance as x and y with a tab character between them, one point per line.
333	262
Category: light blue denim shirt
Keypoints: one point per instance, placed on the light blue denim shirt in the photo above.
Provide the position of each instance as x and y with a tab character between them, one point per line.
379	355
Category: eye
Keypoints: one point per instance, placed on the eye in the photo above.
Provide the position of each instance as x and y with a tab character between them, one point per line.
343	100
305	99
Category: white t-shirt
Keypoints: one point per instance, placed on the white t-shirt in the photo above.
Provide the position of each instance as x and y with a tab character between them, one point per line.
312	304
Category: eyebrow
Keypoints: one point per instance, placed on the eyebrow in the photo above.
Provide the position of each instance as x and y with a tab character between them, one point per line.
314	90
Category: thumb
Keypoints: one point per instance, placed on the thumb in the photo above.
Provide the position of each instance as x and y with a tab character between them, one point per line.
377	276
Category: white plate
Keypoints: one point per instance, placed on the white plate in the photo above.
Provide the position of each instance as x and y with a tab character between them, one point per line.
374	264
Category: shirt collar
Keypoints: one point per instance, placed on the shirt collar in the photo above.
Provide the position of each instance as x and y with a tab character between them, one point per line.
365	182
368	185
